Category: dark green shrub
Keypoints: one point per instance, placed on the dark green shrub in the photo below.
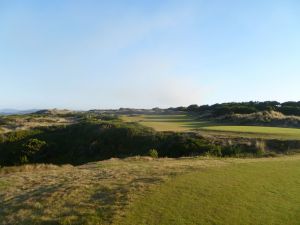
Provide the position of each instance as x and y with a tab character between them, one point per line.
231	150
215	150
33	146
24	159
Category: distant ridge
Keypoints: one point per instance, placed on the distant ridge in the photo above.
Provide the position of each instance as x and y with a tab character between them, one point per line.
53	111
16	111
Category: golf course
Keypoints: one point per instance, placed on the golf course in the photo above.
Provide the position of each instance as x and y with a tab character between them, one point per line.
177	112
187	123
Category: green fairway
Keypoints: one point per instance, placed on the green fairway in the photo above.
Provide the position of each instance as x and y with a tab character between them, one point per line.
182	123
257	131
252	193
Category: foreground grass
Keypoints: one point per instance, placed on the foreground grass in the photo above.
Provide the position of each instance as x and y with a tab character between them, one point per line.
95	193
182	123
252	193
146	191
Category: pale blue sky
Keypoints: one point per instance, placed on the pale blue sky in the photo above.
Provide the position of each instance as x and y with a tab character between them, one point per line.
83	54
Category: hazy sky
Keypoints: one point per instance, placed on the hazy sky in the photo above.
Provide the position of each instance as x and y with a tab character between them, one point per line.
85	54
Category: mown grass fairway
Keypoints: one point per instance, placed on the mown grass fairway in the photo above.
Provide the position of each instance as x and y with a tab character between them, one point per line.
257	131
251	193
145	191
183	122
180	122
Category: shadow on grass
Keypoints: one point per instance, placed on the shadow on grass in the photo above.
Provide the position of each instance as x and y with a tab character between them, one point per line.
186	121
57	204
113	201
16	209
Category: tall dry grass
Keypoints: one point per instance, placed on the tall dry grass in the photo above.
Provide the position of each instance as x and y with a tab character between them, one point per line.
263	118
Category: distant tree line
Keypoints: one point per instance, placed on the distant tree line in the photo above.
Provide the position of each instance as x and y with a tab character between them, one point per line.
287	108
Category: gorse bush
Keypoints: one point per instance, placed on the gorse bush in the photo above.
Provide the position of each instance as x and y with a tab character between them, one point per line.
215	151
30	149
231	150
32	146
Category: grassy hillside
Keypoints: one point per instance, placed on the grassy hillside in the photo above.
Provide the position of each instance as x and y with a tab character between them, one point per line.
185	122
146	191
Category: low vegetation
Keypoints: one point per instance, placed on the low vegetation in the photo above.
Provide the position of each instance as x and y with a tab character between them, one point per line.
91	141
101	136
143	190
30	121
265	118
153	153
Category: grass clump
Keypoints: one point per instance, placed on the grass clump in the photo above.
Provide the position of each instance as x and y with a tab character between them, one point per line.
153	153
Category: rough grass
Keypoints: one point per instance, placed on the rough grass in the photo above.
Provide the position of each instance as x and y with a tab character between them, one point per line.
182	123
133	190
26	122
30	168
265	117
96	193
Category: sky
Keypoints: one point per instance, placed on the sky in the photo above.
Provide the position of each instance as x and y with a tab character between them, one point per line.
87	54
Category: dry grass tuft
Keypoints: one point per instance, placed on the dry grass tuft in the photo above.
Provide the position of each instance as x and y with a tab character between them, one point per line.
270	117
30	168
